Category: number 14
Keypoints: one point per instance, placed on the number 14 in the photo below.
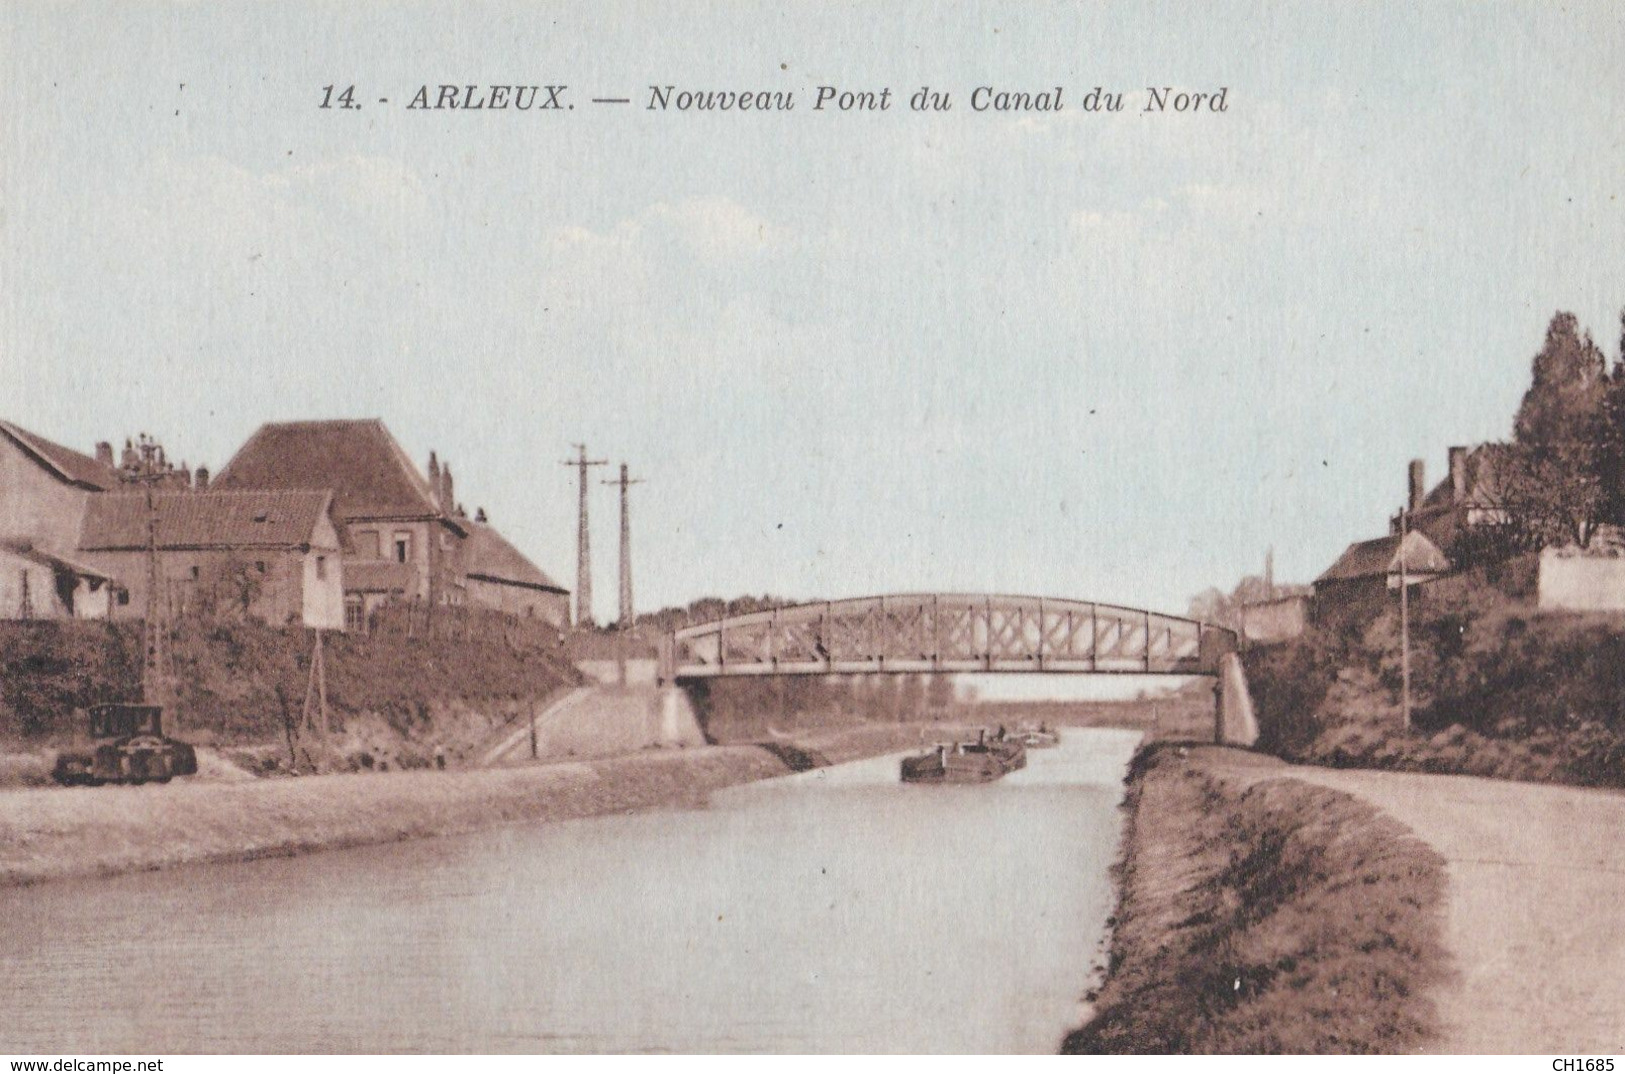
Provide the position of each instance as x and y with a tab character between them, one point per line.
345	99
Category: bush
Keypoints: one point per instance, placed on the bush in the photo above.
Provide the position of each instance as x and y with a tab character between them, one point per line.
1288	682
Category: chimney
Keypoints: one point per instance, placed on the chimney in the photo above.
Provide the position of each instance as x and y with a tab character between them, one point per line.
104	453
1458	475
201	478
434	478
1419	488
479	514
447	501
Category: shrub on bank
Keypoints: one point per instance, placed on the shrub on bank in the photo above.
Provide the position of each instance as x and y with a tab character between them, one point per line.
1497	690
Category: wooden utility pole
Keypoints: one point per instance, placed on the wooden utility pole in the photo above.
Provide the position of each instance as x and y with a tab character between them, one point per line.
627	616
315	714
583	538
1404	624
147	467
626	482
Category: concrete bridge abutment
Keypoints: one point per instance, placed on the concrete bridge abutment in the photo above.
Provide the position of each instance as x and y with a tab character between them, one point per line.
1235	723
677	720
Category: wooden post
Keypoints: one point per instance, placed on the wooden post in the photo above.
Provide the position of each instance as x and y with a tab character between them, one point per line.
826	638
1404	625
877	640
321	691
936	631
987	609
1040	633
288	729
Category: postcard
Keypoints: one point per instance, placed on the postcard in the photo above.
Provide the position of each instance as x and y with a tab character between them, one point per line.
543	527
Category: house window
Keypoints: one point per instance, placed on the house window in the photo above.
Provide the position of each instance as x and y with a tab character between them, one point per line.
259	565
196	571
355	615
366	544
123	597
321	568
403	548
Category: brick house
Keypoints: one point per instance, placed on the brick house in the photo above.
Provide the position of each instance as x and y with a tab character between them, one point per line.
1469	496
501	578
44	487
1366	577
401	536
267	554
36	583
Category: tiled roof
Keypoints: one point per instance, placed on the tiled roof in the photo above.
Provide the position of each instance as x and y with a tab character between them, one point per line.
67	464
1380	556
492	558
256	519
370	475
28	551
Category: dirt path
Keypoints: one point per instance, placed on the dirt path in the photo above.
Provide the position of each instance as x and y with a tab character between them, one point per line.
1537	905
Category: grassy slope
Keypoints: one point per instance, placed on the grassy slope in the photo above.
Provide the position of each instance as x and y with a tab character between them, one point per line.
1275	917
237	680
1499	689
48	834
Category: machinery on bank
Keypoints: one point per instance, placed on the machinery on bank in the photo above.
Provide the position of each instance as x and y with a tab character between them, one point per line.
127	745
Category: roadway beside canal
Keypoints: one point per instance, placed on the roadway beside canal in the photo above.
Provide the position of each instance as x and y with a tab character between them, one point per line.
1268	907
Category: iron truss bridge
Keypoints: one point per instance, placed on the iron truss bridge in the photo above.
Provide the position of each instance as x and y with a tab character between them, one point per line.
945	632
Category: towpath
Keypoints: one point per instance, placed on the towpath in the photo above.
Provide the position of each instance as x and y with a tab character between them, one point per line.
1536	917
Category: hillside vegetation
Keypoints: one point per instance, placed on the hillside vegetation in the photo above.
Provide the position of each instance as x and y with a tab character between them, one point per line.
237	683
1498	690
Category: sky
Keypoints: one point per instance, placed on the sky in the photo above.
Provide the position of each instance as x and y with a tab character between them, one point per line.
1112	357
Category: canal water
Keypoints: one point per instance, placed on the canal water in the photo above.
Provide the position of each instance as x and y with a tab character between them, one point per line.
832	911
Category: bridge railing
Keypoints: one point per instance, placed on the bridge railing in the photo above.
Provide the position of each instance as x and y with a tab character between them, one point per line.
945	632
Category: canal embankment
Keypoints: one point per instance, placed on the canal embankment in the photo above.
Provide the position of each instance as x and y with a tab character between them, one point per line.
1263	914
49	833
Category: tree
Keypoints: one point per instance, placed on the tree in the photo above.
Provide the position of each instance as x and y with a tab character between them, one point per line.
1553	495
1611	456
1555	481
1568	389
